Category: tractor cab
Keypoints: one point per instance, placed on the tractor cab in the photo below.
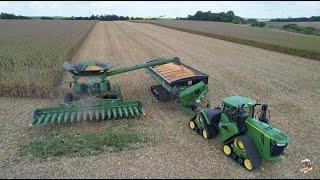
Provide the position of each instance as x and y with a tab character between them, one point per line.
234	105
231	106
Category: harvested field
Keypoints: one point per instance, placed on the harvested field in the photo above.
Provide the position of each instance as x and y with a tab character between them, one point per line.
271	39
314	24
32	52
289	83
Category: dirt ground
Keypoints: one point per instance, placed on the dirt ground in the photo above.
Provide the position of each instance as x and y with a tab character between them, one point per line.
290	84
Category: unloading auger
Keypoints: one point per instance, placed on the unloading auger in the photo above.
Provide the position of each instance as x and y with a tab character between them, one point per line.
90	83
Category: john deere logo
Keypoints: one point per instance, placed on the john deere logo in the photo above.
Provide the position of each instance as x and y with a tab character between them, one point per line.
306	166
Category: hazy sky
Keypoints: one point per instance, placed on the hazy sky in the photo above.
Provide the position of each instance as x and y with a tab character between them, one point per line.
245	9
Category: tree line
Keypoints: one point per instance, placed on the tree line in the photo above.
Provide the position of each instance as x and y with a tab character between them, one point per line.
300	19
92	17
220	17
12	16
104	18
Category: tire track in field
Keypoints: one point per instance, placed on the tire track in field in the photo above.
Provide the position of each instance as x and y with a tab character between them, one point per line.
278	97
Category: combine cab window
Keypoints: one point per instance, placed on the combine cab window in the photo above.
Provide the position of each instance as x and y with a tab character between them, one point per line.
89	79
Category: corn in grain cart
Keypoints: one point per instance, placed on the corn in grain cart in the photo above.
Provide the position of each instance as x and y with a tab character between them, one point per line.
178	81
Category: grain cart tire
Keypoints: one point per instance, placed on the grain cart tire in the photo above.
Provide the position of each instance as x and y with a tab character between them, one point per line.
160	93
68	97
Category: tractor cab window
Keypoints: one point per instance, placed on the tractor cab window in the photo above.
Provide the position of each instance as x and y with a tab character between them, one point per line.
230	112
248	111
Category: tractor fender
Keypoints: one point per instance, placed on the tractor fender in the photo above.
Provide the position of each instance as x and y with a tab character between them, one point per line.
212	116
205	115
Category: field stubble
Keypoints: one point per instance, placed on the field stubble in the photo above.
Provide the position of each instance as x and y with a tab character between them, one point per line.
265	38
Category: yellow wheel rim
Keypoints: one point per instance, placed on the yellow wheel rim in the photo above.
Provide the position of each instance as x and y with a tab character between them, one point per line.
227	149
247	164
199	118
239	144
192	125
205	134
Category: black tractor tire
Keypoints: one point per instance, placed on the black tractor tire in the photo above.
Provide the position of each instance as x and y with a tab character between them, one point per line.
68	97
251	151
211	130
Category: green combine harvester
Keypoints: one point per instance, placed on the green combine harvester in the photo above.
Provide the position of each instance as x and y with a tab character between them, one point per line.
244	128
93	97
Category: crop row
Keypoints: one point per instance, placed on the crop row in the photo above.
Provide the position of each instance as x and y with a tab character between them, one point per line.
32	53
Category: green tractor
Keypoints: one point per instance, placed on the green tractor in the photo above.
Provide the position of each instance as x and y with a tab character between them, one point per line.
244	131
92	97
243	124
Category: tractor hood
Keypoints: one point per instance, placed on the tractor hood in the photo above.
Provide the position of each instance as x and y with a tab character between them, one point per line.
268	130
87	68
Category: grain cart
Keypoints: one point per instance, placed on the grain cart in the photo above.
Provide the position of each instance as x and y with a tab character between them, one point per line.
178	81
243	126
93	97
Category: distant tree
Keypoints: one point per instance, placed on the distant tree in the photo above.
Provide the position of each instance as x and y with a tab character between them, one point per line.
258	24
300	19
12	16
230	13
47	18
251	20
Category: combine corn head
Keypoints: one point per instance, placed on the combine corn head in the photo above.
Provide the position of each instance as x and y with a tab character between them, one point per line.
93	97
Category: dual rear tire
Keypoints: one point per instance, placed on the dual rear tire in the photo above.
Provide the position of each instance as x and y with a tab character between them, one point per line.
243	143
206	130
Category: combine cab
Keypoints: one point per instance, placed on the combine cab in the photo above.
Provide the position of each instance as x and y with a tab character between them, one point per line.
92	96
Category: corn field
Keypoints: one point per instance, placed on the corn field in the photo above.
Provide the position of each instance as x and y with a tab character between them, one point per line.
32	53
